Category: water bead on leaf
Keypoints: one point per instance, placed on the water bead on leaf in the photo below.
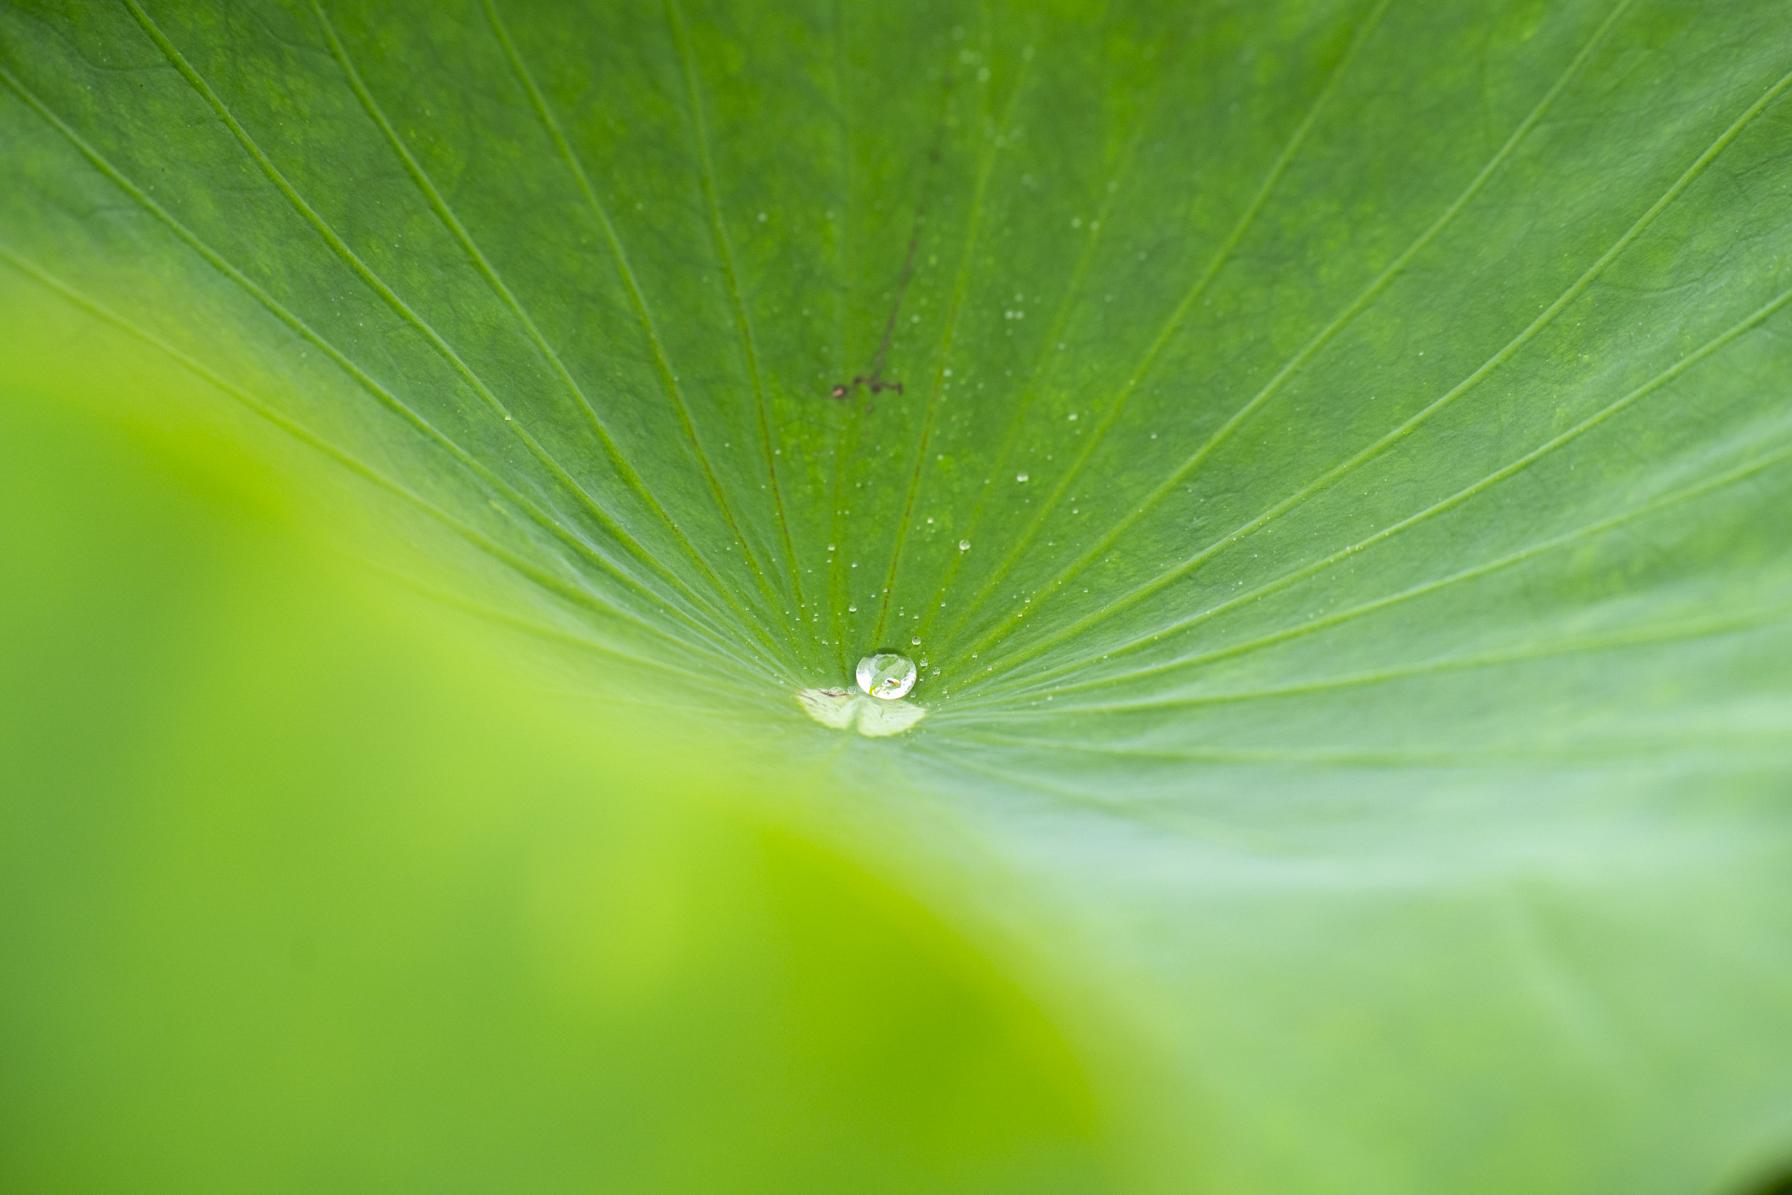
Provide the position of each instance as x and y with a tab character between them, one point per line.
886	674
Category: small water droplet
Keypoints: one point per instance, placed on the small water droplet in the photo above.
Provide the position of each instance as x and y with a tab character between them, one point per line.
1020	477
915	641
964	545
886	674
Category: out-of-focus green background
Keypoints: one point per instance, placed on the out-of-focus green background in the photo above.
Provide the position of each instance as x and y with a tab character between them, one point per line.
308	884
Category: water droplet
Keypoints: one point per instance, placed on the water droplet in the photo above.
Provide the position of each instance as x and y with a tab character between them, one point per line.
886	674
915	641
964	545
1020	477
843	709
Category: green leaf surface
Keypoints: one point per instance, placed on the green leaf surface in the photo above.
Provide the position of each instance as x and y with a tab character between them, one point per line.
1332	458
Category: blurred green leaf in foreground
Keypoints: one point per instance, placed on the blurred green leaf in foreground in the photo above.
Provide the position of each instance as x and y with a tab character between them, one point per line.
306	889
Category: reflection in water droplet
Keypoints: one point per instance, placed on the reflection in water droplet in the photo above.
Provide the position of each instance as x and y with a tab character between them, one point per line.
886	674
844	710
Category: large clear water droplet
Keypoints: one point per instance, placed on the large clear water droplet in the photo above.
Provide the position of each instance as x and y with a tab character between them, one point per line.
886	674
